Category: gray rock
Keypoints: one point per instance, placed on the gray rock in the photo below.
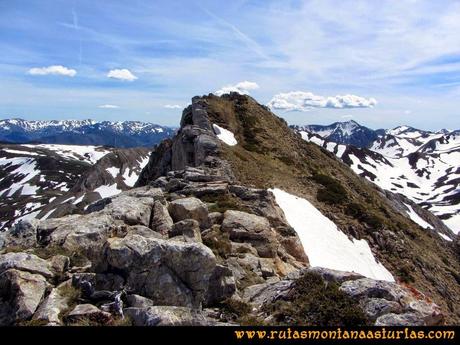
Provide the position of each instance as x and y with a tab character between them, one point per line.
221	285
429	312
269	292
335	276
215	218
25	262
132	210
53	305
208	189
376	307
136	301
406	319
189	228
60	263
23	235
143	231
21	293
165	316
188	208
246	227
161	220
369	288
88	312
168	272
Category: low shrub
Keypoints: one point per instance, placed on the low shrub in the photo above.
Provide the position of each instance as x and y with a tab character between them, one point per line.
313	302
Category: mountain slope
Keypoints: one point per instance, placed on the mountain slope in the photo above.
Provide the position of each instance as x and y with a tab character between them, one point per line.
423	166
35	180
84	132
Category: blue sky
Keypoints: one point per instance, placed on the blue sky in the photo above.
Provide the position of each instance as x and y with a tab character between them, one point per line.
399	59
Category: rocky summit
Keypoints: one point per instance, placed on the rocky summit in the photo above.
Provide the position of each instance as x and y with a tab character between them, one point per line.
203	238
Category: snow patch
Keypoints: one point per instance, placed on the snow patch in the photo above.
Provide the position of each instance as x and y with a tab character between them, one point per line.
225	135
107	191
325	245
417	219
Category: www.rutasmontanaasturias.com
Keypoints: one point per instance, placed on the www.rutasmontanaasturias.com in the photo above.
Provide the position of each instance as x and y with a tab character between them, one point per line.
340	333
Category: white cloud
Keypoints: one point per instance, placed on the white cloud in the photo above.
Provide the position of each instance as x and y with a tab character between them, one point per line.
173	106
108	106
121	74
347	116
55	69
304	101
242	87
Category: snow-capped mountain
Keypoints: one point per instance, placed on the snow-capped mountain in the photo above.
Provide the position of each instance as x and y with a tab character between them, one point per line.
47	180
84	132
421	165
349	132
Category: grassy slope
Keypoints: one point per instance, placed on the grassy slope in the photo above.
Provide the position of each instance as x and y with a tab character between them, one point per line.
269	154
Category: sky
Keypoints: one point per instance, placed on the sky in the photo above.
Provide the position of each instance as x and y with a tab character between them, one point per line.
381	63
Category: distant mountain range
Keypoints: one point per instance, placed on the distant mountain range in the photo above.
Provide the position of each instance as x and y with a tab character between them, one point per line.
423	166
122	134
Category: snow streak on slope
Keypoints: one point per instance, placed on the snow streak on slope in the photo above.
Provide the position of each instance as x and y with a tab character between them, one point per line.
428	174
325	245
88	153
225	135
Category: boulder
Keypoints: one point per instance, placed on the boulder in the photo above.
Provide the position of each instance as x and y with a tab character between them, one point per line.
143	231
188	208
335	276
131	209
21	293
376	307
161	220
168	272
189	229
25	262
54	304
22	235
83	313
165	316
137	301
59	263
246	227
369	288
406	319
221	285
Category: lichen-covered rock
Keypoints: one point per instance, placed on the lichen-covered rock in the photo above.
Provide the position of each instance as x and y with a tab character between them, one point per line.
20	294
54	304
222	285
137	301
168	272
246	227
188	208
26	262
88	313
165	316
189	229
23	234
161	220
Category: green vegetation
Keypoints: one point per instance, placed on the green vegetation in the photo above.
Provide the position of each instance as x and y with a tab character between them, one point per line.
332	192
224	202
312	302
240	312
218	242
404	273
357	211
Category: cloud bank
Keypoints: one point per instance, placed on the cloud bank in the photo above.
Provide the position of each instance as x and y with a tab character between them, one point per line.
242	87
305	101
121	74
55	69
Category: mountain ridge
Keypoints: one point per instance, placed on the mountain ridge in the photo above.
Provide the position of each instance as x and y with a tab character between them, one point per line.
84	132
